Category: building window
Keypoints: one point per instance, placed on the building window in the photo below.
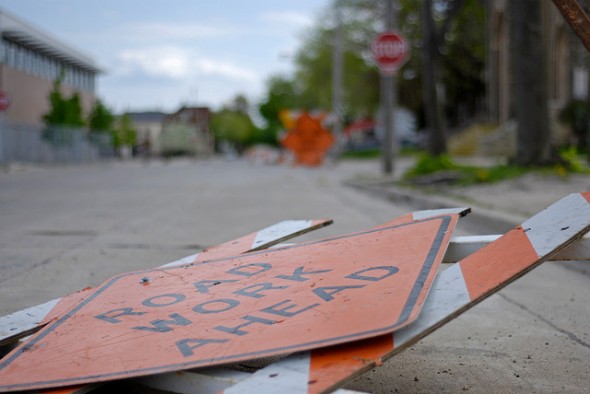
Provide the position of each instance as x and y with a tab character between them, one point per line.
44	66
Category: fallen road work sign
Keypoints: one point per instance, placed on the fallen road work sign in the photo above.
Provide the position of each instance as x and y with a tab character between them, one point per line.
224	310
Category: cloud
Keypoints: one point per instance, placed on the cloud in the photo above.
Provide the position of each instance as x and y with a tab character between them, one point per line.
287	17
171	31
178	63
170	62
213	67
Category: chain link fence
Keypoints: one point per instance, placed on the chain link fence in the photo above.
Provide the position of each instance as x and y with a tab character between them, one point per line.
30	144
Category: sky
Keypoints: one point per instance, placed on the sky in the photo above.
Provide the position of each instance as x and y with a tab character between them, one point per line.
161	54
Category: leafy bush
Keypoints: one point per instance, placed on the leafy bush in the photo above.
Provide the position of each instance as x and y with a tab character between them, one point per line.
428	164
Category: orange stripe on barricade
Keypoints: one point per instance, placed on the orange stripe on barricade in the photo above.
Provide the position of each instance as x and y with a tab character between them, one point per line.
262	239
336	363
235	247
493	264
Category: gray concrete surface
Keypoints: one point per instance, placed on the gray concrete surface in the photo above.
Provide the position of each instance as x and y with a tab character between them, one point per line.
66	228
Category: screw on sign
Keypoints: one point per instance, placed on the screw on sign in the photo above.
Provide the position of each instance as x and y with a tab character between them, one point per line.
390	50
4	101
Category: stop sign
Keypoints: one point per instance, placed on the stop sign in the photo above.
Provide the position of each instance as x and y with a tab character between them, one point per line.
4	100
390	51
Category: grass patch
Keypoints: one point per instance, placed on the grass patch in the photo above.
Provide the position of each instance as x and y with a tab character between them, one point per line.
442	169
427	164
475	175
365	154
433	169
570	162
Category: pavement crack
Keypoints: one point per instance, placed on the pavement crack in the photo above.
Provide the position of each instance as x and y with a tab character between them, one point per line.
569	334
63	233
153	246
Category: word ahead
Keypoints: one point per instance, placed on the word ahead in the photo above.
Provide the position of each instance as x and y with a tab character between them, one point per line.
227	310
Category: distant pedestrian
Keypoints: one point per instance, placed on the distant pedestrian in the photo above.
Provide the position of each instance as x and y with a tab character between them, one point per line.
146	149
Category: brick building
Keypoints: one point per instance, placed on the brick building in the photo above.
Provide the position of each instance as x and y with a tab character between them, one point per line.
30	60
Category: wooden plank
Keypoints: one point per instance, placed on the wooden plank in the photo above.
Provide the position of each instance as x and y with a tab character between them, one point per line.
205	380
461	247
23	323
264	238
455	290
231	294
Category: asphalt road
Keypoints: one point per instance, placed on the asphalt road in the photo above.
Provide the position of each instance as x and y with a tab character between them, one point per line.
65	228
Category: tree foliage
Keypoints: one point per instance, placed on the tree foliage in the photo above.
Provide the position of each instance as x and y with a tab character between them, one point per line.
124	134
233	124
314	61
281	95
63	111
100	119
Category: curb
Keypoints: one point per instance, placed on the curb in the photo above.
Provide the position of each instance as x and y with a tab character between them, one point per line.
492	220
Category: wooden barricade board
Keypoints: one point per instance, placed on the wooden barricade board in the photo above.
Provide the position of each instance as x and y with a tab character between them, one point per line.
260	304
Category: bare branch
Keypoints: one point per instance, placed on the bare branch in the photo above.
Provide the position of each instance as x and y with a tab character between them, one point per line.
577	18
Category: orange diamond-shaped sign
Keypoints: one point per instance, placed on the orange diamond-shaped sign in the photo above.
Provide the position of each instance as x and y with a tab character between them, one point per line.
308	140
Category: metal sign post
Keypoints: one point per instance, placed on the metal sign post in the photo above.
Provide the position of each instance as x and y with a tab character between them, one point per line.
390	51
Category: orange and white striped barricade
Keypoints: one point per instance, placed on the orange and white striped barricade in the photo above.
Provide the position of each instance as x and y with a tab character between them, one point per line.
454	290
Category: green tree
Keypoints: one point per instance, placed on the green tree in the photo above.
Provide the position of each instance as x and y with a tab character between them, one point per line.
281	95
234	127
124	134
233	124
63	111
100	119
314	61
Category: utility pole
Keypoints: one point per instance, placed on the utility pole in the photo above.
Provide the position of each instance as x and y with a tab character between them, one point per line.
337	75
388	99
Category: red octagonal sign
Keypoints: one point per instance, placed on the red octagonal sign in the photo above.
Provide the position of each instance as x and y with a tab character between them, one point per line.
390	50
4	100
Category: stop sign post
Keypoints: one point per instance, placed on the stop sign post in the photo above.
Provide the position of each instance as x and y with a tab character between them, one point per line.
390	50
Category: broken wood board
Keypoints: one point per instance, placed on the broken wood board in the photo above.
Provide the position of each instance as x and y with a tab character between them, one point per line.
455	290
133	315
